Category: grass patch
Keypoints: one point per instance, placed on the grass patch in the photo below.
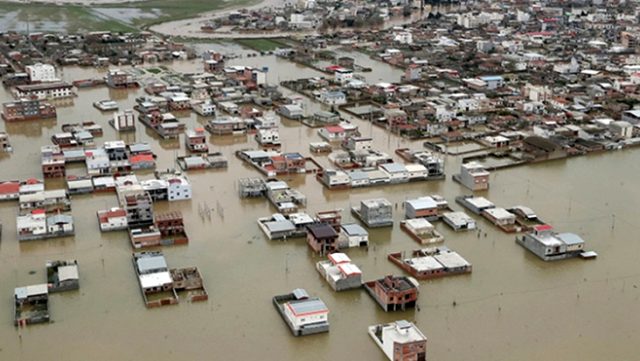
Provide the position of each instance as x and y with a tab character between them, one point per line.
262	44
154	70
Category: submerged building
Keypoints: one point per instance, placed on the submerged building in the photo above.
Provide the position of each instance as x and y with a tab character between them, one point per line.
473	176
303	314
339	272
400	341
550	245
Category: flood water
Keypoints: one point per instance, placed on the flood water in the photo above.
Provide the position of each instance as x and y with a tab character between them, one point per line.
512	307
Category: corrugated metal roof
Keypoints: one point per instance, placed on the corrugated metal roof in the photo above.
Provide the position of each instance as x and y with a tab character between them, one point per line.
570	239
308	306
146	264
354	229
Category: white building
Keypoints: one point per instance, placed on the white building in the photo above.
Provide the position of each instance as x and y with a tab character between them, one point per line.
332	133
343	75
400	340
259	76
353	235
39	73
537	93
403	37
333	98
549	245
112	219
179	186
335	178
473	176
125	120
305	312
97	161
493	81
300	21
470	20
396	172
359	144
416	171
621	129
339	272
270	136
205	109
292	111
59	224
32	224
51	90
468	105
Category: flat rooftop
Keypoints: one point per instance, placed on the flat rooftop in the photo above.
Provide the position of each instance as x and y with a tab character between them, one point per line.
422	203
480	202
458	218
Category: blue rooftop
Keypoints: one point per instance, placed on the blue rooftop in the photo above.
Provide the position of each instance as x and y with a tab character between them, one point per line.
491	78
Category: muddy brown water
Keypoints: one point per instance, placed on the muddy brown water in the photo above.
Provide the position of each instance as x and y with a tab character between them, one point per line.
513	306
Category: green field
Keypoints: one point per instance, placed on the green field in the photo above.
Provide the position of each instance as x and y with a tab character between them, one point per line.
125	17
262	44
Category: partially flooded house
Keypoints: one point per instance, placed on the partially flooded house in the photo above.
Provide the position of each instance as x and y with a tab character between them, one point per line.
37	225
154	279
431	262
400	341
339	272
280	226
352	235
421	230
374	212
31	305
322	238
27	109
393	293
549	245
62	276
196	140
303	314
160	286
473	176
52	162
56	200
5	144
188	281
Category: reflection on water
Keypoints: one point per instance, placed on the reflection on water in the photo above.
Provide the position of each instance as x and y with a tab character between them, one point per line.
512	303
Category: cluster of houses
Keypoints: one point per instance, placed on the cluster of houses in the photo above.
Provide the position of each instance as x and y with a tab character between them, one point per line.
135	213
523	84
540	82
112	158
28	58
161	286
31	303
361	166
42	213
272	162
307	16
